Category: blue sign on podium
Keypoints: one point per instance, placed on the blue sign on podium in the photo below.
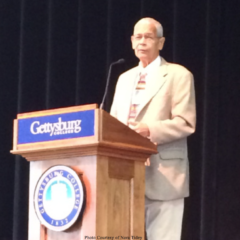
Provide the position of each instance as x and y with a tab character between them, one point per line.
56	127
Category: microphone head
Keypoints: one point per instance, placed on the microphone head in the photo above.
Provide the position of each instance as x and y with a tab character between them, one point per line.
118	62
121	60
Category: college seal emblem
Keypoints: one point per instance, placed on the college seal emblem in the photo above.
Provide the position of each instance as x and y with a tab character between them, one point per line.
58	198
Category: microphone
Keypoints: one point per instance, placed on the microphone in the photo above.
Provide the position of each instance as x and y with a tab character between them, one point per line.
108	78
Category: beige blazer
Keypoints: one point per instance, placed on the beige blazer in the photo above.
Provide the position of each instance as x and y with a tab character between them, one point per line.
168	109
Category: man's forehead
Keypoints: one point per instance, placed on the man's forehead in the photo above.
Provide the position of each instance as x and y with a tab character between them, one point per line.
144	26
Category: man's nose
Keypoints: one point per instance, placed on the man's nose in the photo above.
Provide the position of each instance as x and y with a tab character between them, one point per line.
142	40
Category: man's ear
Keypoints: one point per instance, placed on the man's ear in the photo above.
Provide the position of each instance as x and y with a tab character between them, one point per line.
161	42
133	43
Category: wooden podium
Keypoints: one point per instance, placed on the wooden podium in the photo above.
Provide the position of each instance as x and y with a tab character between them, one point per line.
111	166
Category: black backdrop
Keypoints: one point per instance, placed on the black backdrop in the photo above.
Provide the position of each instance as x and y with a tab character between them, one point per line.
55	53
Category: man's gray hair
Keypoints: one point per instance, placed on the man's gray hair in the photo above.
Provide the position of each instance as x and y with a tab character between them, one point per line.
158	25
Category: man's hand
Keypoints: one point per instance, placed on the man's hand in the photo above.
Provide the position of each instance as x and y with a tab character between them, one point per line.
141	128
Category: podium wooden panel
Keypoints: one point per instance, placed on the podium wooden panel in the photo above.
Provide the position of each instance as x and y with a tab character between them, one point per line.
111	166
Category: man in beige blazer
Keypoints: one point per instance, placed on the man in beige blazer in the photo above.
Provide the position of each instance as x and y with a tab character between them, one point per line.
165	113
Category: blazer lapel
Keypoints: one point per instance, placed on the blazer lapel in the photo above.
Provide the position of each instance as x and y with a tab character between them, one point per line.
157	79
127	99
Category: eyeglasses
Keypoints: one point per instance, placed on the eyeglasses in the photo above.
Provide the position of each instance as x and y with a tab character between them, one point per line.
147	37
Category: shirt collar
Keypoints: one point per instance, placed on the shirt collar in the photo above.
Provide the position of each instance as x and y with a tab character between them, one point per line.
149	68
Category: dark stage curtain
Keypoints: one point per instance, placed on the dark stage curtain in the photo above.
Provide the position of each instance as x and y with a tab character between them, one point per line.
55	53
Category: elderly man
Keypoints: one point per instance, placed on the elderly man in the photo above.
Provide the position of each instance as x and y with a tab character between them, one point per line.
157	100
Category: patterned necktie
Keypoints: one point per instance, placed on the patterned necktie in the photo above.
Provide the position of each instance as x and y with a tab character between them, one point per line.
141	85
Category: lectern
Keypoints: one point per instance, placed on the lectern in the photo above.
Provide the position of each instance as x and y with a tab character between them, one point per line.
107	155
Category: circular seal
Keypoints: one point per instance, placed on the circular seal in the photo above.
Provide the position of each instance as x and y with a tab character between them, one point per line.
58	198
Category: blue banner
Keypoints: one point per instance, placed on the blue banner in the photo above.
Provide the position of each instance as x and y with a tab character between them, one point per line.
56	127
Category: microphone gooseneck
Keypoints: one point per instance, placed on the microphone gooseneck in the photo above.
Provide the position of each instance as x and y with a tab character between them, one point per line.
108	80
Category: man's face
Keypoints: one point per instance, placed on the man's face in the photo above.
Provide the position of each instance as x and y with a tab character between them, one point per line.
145	42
